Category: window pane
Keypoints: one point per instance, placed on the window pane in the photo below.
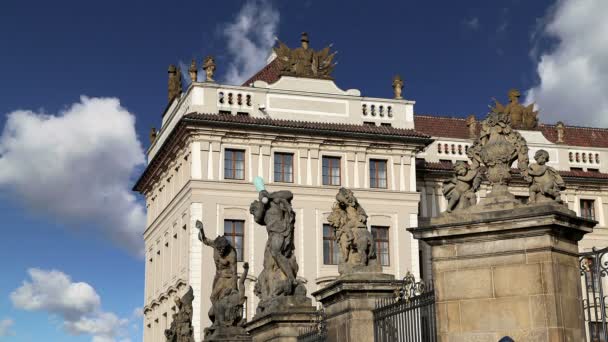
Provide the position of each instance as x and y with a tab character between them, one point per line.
331	170
326	255
283	167
381	236
234	164
227	227
238	227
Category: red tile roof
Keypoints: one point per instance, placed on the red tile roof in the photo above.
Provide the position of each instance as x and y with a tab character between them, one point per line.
326	128
269	74
450	127
442	126
578	136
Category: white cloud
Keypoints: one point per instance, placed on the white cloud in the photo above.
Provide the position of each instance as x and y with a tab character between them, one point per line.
75	166
5	327
574	75
76	303
472	23
250	38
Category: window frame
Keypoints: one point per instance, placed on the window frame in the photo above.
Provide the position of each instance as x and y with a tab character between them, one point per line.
334	249
379	241
330	175
283	164
232	235
590	208
377	161
232	152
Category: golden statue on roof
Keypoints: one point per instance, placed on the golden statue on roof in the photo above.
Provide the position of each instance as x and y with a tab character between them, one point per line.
522	117
304	61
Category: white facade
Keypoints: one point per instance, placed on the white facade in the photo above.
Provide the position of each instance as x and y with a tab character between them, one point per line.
187	183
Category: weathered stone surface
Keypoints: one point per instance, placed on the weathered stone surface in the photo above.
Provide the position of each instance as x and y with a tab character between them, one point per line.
508	273
181	325
357	246
546	181
349	301
279	276
283	325
227	299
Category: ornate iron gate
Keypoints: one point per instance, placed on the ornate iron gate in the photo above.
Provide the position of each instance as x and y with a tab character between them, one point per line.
316	333
594	268
408	317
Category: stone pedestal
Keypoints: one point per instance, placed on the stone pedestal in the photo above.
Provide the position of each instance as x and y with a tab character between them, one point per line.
507	273
229	334
348	302
286	323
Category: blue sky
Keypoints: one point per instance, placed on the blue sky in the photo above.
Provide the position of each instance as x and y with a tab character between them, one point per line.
67	162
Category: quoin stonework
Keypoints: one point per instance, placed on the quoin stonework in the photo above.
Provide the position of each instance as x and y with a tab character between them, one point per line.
294	127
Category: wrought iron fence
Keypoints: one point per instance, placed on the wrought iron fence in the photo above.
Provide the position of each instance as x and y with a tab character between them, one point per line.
316	333
594	268
410	316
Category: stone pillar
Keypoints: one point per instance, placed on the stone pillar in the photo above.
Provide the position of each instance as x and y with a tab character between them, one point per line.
285	324
508	273
348	302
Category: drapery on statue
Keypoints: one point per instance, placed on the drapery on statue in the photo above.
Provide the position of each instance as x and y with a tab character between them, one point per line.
227	298
546	181
278	278
522	117
460	189
304	61
181	326
497	147
357	246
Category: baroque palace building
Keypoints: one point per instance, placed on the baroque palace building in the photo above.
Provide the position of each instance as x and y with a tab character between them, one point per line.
302	133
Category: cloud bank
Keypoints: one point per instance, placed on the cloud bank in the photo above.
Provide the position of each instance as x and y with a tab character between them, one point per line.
574	75
75	166
76	303
250	37
5	327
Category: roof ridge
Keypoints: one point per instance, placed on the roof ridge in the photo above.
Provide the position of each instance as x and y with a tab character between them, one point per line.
327	125
439	117
577	127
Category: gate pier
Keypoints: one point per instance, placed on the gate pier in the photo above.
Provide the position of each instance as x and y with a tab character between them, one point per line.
508	273
349	302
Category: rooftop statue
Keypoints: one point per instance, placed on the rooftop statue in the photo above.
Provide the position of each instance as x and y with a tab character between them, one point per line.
181	326
304	61
193	70
227	298
398	87
175	82
497	147
279	276
546	181
460	189
357	246
209	67
522	117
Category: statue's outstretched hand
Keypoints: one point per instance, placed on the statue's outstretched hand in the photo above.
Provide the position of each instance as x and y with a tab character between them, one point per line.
199	224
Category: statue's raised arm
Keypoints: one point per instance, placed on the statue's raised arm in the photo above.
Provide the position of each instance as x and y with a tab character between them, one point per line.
201	234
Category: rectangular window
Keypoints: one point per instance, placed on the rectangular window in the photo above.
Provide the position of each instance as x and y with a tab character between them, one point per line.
331	170
523	199
234	164
283	167
234	231
380	235
331	254
377	173
588	209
